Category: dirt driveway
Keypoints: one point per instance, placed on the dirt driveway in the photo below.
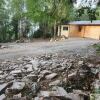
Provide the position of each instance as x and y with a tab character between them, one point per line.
15	50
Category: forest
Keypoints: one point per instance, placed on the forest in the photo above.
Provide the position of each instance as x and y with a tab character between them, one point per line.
39	18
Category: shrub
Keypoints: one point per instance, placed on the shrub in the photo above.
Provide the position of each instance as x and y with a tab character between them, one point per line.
38	34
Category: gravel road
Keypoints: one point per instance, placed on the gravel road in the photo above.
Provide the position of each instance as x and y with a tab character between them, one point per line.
75	45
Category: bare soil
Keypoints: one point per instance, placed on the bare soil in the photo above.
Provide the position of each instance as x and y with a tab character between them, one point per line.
72	45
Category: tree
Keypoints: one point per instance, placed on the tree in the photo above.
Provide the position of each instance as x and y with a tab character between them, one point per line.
4	22
98	13
86	5
19	19
48	12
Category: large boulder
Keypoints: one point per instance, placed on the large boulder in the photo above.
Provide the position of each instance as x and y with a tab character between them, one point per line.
57	92
15	88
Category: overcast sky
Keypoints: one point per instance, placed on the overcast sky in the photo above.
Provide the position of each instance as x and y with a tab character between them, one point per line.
85	3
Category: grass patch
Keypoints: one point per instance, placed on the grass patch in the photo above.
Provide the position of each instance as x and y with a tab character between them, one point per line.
97	46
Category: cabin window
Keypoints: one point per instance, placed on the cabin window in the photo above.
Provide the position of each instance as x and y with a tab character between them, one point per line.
65	28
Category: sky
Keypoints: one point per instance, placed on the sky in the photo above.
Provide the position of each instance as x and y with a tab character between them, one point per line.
85	3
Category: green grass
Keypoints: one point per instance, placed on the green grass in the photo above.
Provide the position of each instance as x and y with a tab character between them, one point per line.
97	46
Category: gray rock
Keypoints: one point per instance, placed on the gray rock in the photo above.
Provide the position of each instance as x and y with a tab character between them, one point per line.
80	95
51	76
45	72
90	65
76	96
2	97
35	63
94	70
97	86
46	93
10	78
79	92
69	64
27	81
33	77
80	62
17	96
72	75
35	88
37	98
29	67
4	86
46	98
54	83
58	92
3	76
15	88
99	75
62	69
2	47
16	72
1	72
18	85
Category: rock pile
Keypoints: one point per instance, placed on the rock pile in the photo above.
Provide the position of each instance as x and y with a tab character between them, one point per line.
58	38
49	77
2	47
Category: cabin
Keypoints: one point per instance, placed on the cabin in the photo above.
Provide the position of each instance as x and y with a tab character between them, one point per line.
83	29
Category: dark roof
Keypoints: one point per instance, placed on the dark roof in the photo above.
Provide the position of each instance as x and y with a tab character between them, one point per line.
96	22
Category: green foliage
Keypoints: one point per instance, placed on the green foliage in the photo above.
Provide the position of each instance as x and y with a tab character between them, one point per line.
38	34
86	13
47	13
4	23
98	13
17	8
97	46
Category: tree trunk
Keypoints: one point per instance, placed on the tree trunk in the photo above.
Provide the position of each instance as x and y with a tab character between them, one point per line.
55	30
16	30
45	31
20	29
